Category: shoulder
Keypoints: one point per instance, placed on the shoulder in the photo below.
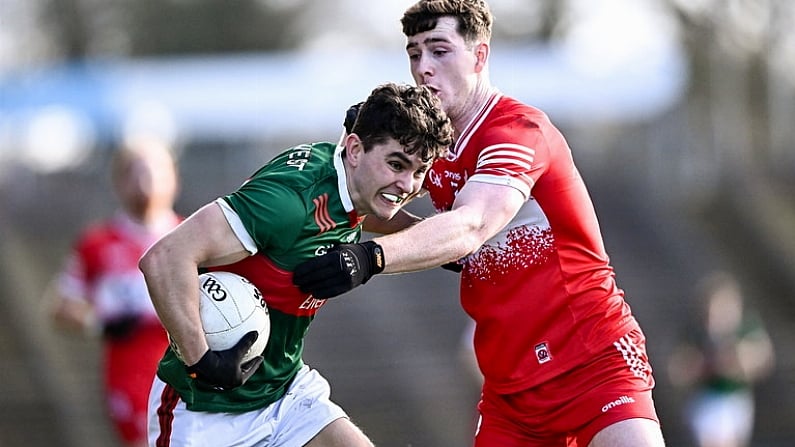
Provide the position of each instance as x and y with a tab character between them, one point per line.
511	111
285	186
514	123
299	167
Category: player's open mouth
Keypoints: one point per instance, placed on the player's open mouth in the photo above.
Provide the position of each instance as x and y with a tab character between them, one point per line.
392	197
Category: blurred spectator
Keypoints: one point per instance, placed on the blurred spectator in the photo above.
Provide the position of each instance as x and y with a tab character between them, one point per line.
101	291
726	351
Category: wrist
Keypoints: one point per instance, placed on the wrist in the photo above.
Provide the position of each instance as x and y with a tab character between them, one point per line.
192	353
194	360
375	255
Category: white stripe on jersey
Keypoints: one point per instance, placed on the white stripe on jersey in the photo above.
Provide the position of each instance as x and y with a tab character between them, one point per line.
507	155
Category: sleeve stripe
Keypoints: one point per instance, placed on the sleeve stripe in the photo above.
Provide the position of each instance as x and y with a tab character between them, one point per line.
507	155
516	149
237	226
490	162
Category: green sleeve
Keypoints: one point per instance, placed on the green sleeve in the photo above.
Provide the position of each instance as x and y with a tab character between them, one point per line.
272	213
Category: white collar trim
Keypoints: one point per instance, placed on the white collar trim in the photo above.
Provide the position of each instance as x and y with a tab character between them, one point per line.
342	179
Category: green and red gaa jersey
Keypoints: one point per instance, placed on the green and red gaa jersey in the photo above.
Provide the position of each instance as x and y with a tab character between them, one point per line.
292	209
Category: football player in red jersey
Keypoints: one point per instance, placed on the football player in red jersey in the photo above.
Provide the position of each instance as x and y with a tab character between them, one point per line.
562	357
100	288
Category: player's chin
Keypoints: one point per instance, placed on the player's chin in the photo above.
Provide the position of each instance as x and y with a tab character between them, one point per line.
386	210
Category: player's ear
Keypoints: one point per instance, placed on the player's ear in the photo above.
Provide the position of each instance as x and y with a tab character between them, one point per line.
481	56
354	148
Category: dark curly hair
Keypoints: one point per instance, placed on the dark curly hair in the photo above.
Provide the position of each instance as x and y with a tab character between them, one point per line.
410	115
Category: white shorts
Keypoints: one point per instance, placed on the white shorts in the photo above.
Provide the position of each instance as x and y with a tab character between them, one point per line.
292	421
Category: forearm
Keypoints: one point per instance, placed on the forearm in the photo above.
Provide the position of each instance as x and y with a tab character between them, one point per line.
432	242
480	211
173	288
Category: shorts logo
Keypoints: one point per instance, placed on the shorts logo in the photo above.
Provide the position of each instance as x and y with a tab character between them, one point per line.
542	353
620	401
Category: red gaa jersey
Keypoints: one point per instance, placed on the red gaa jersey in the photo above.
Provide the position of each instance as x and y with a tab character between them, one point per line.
542	290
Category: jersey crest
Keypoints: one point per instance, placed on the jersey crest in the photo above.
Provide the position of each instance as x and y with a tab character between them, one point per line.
322	218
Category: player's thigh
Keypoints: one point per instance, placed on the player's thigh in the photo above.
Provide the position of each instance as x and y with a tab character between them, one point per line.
637	432
340	433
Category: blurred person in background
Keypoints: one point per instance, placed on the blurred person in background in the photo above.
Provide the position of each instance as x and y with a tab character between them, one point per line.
100	290
725	352
563	359
306	200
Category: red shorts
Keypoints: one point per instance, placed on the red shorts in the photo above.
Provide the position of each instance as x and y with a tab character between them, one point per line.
571	409
130	366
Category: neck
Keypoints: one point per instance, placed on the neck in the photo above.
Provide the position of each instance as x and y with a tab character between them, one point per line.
479	95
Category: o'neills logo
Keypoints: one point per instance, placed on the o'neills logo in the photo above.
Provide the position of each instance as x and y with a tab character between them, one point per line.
620	401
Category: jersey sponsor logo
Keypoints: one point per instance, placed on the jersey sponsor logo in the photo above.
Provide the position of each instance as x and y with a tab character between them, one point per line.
542	353
276	286
453	179
322	217
435	178
452	176
623	400
311	303
323	249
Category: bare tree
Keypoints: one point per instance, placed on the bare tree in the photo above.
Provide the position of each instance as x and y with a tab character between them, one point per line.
730	45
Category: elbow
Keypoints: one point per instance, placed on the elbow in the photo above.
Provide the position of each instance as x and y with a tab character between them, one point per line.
475	233
470	243
151	259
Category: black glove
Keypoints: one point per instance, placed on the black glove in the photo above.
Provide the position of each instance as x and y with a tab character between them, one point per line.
341	269
453	267
120	327
222	370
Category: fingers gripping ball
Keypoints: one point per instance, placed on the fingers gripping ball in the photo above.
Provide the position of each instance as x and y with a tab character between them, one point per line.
230	307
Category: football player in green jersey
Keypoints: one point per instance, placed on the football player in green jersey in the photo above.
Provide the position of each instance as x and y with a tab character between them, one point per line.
304	202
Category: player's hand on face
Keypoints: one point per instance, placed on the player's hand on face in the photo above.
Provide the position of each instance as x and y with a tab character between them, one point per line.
225	370
343	268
